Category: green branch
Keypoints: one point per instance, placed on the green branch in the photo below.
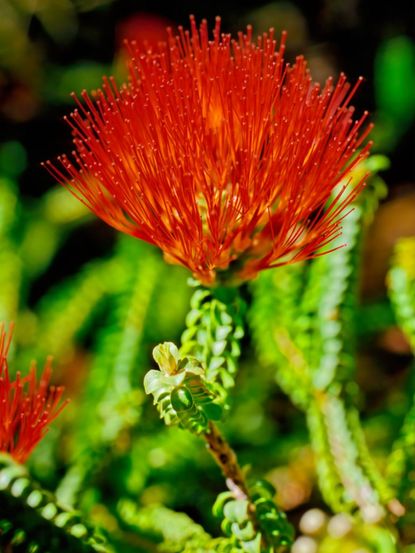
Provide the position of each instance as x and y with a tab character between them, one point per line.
184	396
214	330
32	521
401	286
303	321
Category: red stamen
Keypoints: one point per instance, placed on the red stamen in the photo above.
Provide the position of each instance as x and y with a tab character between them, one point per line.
216	150
27	407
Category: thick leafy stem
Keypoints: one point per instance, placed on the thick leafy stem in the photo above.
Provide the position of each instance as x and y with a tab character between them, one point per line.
401	285
303	321
184	396
32	521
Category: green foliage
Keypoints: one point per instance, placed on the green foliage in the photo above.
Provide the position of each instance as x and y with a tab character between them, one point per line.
215	328
31	520
401	281
184	396
269	329
374	317
257	526
181	391
68	308
394	85
13	160
85	75
112	387
339	427
311	339
29	235
113	461
175	532
400	461
10	275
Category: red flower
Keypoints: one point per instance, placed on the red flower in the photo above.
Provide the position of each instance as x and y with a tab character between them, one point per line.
26	406
219	153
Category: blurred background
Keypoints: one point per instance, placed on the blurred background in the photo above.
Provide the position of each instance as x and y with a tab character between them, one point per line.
49	48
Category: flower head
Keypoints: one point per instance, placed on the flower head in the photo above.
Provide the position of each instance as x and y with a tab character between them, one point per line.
27	407
218	152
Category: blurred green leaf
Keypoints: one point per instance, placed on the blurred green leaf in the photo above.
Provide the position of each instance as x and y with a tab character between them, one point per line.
13	159
394	75
395	78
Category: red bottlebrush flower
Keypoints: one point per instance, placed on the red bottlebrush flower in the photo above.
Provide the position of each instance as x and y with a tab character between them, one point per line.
27	407
219	153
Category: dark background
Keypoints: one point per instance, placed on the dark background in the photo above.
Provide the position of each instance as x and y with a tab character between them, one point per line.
336	35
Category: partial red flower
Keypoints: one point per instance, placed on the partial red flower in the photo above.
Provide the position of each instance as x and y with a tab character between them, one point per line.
27	407
218	152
